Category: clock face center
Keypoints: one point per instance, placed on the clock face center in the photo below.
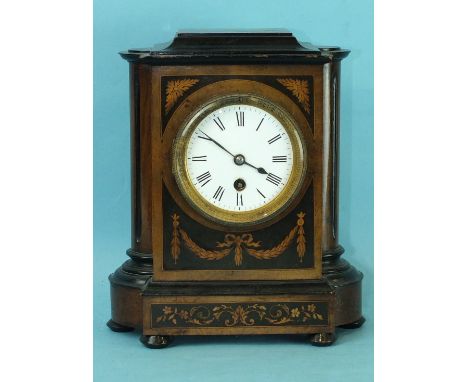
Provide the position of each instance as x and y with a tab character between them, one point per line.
239	159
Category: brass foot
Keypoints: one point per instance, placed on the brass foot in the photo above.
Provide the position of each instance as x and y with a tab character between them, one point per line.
115	327
322	339
156	342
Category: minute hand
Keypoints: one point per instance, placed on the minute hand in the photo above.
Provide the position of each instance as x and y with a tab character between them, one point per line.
208	138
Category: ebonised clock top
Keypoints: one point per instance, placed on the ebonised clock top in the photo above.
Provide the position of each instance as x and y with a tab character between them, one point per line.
235	46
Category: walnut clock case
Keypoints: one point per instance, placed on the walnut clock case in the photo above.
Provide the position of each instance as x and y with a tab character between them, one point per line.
235	142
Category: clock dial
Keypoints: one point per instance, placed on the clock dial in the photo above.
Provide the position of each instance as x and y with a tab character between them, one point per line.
239	157
240	160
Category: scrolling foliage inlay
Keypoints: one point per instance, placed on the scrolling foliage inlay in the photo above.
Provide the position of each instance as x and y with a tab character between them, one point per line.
237	314
238	243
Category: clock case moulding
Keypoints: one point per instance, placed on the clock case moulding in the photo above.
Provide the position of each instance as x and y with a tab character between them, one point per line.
133	287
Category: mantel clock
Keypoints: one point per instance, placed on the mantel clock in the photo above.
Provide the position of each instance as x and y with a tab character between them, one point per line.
235	142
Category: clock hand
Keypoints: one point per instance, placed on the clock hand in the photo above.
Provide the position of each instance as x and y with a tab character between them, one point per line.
261	170
215	142
238	159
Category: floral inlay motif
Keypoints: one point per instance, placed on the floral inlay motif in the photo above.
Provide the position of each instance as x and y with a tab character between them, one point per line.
300	89
239	314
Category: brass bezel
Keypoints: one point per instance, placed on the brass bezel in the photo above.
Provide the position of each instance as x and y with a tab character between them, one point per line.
239	218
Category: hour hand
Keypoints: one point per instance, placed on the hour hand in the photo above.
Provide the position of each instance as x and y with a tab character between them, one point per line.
239	159
261	170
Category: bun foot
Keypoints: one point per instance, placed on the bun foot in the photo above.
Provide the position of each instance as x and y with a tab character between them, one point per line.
156	342
354	325
322	339
115	327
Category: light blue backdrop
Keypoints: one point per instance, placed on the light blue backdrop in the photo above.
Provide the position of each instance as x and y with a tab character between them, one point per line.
119	25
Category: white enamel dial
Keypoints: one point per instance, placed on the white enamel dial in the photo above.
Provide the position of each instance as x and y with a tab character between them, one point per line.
239	157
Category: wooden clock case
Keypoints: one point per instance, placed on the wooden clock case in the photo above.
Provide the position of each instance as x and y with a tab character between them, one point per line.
189	275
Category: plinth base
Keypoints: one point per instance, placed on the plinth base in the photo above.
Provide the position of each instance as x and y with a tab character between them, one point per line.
161	310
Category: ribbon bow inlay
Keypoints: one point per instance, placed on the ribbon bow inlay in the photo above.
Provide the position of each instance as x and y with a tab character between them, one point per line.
238	241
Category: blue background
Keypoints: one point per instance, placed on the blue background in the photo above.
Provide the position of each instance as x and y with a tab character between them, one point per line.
119	25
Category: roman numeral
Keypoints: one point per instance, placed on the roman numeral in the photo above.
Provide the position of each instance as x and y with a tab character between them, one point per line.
261	193
274	139
239	200
201	158
219	123
219	193
258	127
272	178
205	177
240	118
279	158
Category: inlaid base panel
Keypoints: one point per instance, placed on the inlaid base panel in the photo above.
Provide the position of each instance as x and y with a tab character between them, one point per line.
216	315
129	294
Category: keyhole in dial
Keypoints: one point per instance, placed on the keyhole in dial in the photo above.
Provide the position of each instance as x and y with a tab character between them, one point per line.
239	184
